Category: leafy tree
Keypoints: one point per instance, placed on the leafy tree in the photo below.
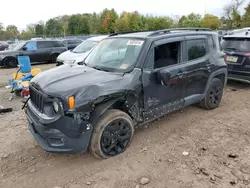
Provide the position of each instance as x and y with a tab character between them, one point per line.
130	22
39	29
154	23
211	21
78	24
122	24
31	28
12	30
54	27
181	21
1	26
64	22
246	16
94	23
26	34
192	20
107	20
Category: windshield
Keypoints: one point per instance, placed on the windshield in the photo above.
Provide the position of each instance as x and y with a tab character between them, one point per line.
85	46
236	44
19	46
115	54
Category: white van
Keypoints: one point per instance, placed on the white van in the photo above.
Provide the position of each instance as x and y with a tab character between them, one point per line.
79	53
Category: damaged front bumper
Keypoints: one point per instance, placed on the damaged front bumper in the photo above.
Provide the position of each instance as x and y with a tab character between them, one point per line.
61	135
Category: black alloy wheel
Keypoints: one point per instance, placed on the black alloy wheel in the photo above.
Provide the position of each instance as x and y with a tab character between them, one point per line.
213	95
116	137
112	134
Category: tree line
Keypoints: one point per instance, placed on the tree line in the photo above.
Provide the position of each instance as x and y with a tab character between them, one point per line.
109	21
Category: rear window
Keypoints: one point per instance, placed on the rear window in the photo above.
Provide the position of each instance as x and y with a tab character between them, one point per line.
236	44
196	48
74	41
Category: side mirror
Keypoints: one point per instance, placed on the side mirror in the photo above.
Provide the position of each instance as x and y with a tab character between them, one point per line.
24	48
163	77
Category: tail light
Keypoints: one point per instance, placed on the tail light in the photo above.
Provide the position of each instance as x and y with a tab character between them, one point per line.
247	54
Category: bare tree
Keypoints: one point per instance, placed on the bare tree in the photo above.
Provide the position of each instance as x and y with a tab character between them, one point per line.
232	9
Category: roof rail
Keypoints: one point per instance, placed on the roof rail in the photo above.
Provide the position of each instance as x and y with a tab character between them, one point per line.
178	29
127	32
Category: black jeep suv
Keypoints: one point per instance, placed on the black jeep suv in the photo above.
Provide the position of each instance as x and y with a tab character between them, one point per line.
127	80
37	50
237	49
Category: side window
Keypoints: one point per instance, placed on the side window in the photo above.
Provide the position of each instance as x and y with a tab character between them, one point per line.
65	42
31	46
58	44
164	55
44	44
211	43
196	48
72	42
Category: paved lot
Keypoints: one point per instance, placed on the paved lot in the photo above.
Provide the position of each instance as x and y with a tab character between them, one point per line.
156	152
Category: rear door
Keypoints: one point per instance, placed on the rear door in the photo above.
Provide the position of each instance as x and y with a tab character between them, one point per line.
44	48
237	54
198	65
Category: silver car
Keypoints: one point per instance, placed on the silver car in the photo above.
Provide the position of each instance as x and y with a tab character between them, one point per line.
79	53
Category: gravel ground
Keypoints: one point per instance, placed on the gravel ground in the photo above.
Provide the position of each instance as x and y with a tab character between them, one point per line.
189	148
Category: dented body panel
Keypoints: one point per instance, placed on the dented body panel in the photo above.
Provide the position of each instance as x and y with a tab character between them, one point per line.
136	92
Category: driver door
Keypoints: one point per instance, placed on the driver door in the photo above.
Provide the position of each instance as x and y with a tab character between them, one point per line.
31	51
160	99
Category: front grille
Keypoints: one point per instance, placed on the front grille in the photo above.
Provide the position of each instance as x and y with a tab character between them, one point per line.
37	98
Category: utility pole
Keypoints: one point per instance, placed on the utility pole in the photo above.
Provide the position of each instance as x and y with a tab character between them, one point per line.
205	12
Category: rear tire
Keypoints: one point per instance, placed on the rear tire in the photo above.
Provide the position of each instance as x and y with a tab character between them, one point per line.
10	62
112	134
214	95
53	58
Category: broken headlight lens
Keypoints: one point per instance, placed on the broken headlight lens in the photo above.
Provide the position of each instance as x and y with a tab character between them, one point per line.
56	106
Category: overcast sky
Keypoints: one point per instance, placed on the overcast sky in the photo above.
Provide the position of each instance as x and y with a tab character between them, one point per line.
23	12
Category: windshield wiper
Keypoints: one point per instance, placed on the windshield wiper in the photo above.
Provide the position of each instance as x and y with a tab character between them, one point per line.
100	68
82	63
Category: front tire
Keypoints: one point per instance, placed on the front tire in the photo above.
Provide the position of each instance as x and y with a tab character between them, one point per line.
112	134
10	62
214	95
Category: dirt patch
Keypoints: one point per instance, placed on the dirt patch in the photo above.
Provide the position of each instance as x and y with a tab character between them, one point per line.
189	148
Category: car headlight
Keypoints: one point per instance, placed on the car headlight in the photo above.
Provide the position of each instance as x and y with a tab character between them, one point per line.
56	106
69	62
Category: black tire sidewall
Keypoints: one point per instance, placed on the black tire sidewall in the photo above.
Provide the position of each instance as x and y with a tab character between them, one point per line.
53	58
7	64
105	120
207	104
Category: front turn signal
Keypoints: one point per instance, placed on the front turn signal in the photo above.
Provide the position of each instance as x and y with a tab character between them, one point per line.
71	102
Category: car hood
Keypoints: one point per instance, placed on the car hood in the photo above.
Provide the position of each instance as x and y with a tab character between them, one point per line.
69	56
8	52
85	83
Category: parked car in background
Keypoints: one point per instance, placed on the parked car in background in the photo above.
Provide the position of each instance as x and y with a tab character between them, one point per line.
126	81
80	52
3	45
237	48
71	43
37	50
